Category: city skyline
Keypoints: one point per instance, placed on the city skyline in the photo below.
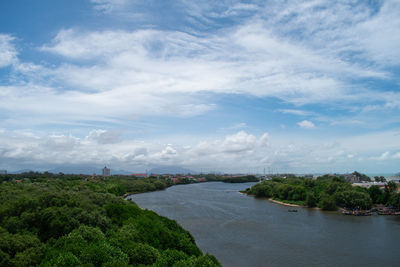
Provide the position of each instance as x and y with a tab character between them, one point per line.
233	86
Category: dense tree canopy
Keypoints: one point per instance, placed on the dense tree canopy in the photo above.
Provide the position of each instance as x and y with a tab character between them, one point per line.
326	192
54	221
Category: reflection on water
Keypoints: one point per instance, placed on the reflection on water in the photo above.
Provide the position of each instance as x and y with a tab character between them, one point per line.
244	231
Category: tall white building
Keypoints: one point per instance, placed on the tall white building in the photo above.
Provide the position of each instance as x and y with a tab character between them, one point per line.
106	171
3	171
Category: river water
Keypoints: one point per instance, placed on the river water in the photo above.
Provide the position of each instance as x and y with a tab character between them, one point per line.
244	231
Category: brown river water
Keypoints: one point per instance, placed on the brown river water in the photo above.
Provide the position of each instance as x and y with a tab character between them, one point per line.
244	231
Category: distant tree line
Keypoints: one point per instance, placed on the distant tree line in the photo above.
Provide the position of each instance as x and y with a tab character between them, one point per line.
379	179
231	179
326	192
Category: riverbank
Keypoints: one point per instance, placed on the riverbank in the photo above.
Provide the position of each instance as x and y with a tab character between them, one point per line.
285	204
274	200
281	202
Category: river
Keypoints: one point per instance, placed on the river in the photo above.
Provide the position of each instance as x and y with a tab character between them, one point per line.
244	231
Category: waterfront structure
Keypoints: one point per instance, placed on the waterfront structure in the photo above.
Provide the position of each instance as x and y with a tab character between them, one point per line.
106	171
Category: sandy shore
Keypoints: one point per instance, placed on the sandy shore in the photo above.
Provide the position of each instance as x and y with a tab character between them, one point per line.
291	205
285	204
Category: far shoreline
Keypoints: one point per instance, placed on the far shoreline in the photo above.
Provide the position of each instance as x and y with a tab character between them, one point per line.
282	203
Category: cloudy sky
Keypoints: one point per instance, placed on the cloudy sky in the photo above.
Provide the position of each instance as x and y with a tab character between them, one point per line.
233	86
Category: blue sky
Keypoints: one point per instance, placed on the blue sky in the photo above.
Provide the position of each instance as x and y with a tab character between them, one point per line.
234	86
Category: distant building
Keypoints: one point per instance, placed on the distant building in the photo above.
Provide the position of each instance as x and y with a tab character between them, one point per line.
106	171
3	172
395	177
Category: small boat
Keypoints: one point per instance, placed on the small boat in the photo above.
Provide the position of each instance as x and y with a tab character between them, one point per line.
292	210
362	213
385	211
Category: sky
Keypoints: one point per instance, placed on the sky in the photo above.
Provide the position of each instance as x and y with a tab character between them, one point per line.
230	86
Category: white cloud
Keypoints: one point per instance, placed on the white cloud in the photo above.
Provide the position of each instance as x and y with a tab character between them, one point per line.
296	112
236	126
306	124
168	152
125	72
248	59
370	31
108	6
37	105
8	53
98	45
380	35
100	146
112	76
384	155
238	9
234	153
347	122
240	142
104	137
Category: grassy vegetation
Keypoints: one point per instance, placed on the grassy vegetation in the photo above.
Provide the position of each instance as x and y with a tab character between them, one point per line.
61	220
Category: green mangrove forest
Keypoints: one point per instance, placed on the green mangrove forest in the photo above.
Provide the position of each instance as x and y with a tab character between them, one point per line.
75	220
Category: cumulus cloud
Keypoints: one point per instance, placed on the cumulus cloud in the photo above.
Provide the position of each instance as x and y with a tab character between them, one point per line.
238	143
306	124
234	153
167	153
97	149
104	137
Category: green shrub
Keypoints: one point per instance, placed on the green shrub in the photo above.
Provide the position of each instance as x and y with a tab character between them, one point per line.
311	201
143	254
328	203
